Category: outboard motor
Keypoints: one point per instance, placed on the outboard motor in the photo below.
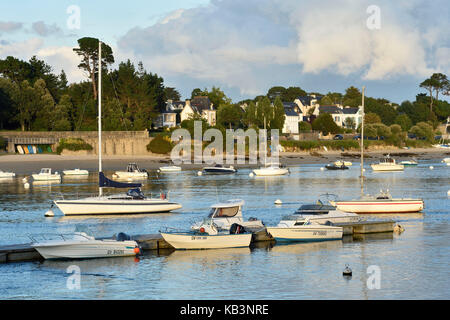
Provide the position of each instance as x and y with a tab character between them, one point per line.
237	229
123	237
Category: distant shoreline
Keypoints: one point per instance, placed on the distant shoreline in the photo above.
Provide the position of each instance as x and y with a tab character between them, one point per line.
27	164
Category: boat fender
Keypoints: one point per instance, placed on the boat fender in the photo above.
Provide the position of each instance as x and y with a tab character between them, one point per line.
237	229
137	250
202	230
398	229
347	271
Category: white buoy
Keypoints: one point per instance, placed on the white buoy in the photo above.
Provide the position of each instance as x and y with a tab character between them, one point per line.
199	173
322	168
278	201
24	180
158	171
431	167
347	271
364	170
26	185
448	193
251	174
49	213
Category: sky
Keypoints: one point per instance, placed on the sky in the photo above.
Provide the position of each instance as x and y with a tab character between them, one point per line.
245	47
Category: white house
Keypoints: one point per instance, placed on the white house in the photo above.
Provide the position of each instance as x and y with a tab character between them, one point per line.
307	105
292	118
199	105
340	114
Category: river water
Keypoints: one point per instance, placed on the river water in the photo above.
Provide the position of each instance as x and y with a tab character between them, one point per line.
412	265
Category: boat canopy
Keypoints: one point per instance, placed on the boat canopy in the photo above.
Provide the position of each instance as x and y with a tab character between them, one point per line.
229	203
104	182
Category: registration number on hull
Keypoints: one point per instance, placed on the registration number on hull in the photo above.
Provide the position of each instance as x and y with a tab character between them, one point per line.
198	238
115	252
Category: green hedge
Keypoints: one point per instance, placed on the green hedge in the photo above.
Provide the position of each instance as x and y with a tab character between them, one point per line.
73	144
2	143
160	145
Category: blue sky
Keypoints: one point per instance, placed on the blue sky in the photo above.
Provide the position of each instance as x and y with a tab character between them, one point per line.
246	47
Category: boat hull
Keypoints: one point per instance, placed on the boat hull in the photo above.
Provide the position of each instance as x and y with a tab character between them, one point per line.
305	233
218	171
76	172
46	177
393	167
170	169
190	241
127	175
86	250
380	206
105	207
271	172
7	175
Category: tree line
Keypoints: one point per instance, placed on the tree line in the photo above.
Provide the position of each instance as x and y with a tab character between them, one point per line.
33	97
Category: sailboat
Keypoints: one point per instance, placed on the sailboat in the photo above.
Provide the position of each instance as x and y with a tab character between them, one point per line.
383	202
132	202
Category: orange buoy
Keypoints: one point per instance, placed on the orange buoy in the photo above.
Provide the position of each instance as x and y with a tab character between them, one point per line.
136	250
202	229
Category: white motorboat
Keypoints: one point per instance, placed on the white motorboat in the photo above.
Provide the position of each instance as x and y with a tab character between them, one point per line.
219	169
387	164
4	174
224	215
321	213
209	239
81	245
45	175
271	170
292	230
76	172
382	203
170	169
132	171
334	166
342	163
446	160
409	162
134	201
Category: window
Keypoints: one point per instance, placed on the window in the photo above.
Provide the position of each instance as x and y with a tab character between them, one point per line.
226	212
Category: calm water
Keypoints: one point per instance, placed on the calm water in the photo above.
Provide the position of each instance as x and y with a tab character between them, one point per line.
414	265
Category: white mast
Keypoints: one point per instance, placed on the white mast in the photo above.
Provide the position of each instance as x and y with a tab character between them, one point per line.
100	110
362	142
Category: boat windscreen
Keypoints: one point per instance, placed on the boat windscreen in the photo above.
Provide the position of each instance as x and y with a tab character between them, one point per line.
226	212
315	209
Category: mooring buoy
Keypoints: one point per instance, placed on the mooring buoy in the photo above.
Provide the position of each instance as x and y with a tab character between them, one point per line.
49	213
199	173
347	271
251	174
278	201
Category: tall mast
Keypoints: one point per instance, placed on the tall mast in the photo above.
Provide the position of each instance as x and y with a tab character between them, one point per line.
100	110
362	142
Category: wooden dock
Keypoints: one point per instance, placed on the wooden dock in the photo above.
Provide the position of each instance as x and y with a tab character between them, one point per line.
24	252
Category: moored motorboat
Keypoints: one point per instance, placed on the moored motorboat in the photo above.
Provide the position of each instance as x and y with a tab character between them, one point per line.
446	160
132	171
343	163
333	166
219	169
387	164
409	162
292	231
4	174
271	170
45	175
223	215
76	172
382	203
81	245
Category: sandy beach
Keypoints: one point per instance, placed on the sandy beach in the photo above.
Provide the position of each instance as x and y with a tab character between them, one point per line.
27	164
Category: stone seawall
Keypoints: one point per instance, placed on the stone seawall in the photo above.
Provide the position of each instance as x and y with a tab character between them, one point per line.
114	142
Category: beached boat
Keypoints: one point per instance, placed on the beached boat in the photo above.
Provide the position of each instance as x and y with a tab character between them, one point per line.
382	203
291	230
387	164
4	174
219	169
134	201
321	213
170	169
223	215
198	240
45	175
81	245
76	172
132	171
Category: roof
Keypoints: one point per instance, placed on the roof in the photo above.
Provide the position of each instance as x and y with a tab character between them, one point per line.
350	110
306	100
330	109
289	104
290	112
201	103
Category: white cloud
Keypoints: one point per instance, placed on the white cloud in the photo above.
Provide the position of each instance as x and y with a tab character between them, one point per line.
232	40
44	30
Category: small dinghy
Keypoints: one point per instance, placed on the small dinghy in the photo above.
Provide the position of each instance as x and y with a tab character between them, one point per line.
333	166
170	169
208	237
219	169
82	245
412	162
273	169
76	172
